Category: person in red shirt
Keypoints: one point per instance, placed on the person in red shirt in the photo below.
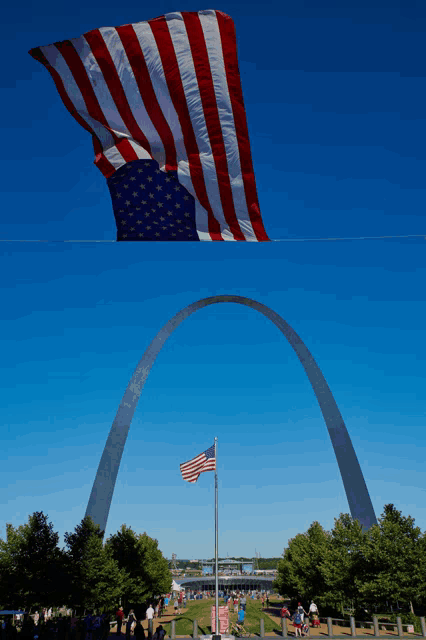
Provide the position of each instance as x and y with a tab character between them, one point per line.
285	613
119	618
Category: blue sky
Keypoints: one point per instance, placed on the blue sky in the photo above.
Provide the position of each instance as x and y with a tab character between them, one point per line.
335	105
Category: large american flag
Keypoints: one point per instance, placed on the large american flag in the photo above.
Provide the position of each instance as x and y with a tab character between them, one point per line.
163	102
206	461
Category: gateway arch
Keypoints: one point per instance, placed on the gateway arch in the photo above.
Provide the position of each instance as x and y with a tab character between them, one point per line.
356	490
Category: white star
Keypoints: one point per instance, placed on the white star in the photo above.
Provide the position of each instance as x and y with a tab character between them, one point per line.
177	188
168	196
138	208
132	228
147	214
171	224
169	213
148	227
118	195
173	234
140	222
140	170
126	186
177	205
134	194
168	179
158	187
180	230
121	210
187	215
159	204
147	164
123	222
187	227
125	235
157	234
157	171
162	218
151	195
186	197
127	202
178	221
149	178
143	201
140	235
131	214
164	228
133	178
142	186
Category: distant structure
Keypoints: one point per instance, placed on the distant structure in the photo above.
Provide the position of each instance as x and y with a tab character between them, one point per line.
174	558
356	490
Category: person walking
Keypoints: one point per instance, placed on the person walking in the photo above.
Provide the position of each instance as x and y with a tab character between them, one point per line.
314	614
241	616
263	602
297	623
302	612
235	604
119	615
131	619
150	618
267	602
243	602
88	620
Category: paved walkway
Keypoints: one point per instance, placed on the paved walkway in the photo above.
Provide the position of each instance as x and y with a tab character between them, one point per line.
322	630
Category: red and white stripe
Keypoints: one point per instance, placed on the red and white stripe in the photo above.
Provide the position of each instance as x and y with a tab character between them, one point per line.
191	470
167	89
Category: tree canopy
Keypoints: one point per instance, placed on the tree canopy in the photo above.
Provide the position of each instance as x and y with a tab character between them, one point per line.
349	566
147	571
86	574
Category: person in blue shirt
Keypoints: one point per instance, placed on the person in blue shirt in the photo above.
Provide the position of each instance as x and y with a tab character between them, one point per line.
241	615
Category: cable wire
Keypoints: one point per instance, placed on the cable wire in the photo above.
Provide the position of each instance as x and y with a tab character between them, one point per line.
418	235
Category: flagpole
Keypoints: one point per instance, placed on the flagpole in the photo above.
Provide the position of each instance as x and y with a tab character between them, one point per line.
217	635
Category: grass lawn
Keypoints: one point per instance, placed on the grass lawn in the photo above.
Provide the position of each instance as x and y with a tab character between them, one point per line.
200	610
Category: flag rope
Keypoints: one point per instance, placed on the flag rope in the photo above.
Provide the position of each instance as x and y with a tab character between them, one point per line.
325	239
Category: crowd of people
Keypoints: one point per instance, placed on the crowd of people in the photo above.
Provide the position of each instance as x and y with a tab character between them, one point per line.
38	627
97	626
301	626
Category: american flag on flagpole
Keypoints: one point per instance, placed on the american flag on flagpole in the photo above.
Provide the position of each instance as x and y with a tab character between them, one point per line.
206	461
163	102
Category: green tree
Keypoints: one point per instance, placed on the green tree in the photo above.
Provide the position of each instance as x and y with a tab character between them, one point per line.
147	571
300	573
95	577
422	569
32	567
393	560
344	567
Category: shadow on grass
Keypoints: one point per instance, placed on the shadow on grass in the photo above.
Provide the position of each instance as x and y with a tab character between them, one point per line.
204	631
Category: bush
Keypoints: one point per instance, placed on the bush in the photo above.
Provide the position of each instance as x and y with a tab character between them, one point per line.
408	618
